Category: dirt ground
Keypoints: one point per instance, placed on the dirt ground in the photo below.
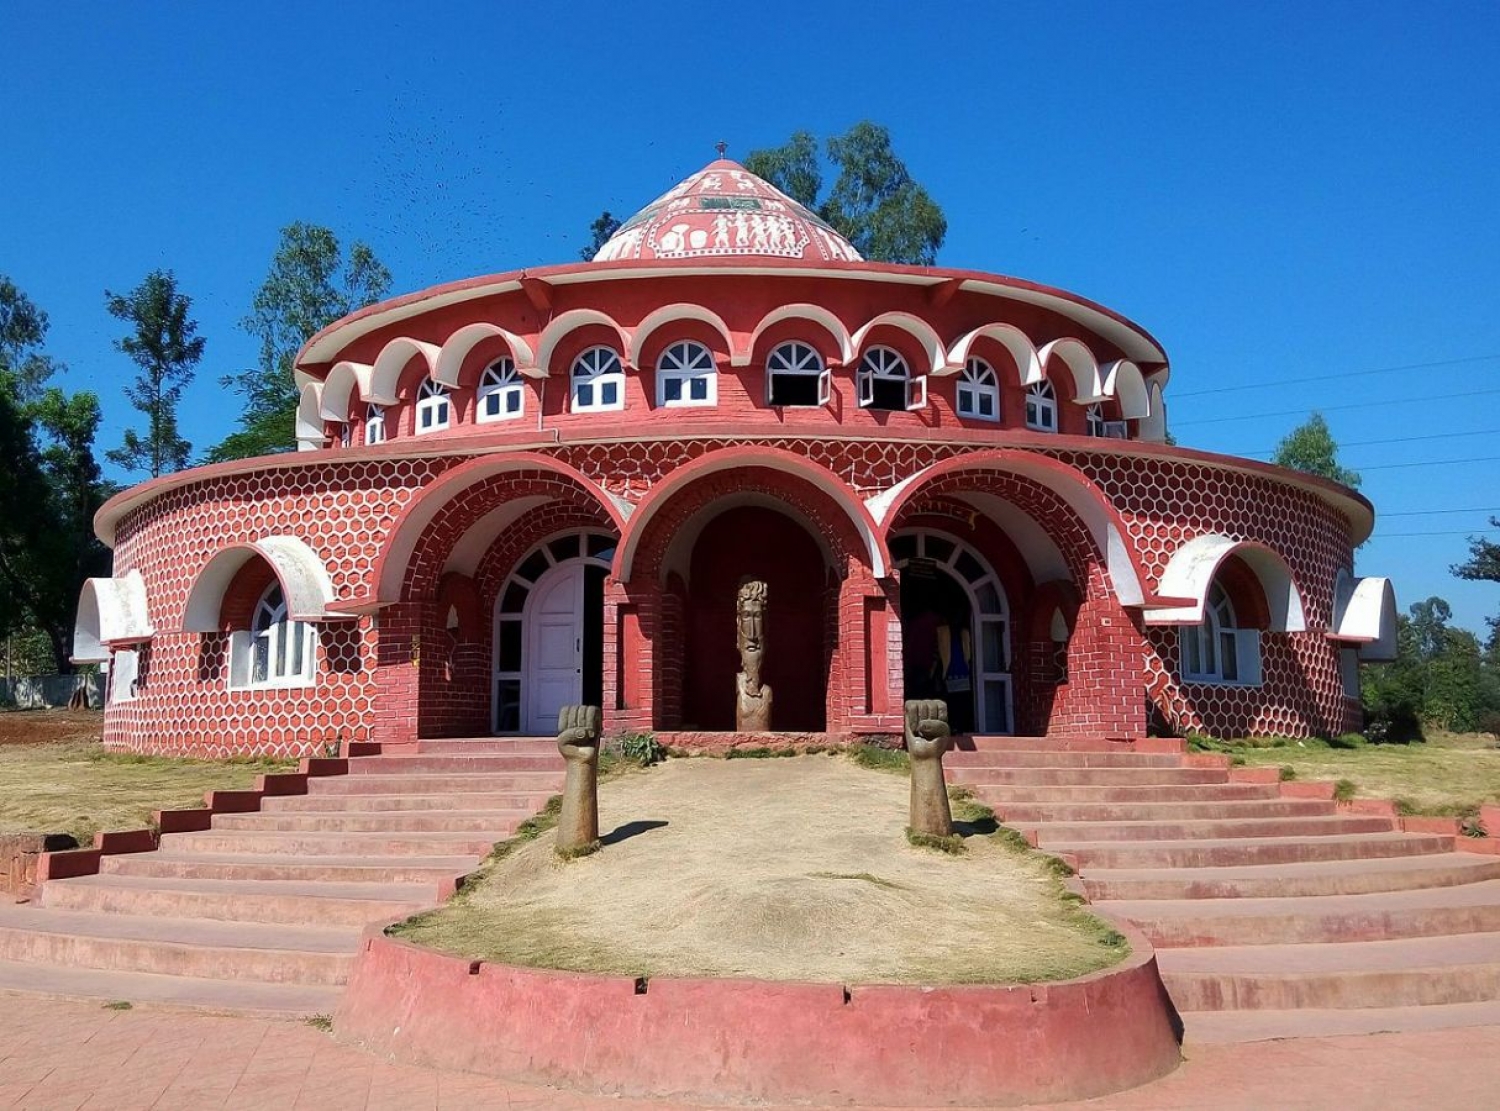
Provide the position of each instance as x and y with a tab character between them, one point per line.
41	727
790	869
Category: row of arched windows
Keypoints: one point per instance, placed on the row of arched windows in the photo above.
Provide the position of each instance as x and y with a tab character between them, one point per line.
687	377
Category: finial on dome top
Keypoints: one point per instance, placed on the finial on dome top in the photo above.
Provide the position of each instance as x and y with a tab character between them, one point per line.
722	147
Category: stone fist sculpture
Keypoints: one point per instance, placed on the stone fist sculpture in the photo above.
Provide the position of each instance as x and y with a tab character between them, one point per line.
578	729
927	738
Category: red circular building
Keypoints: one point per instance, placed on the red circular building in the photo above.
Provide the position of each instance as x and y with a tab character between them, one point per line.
543	487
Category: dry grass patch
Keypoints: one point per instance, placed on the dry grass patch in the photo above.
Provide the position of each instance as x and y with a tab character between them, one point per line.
790	869
1450	773
79	789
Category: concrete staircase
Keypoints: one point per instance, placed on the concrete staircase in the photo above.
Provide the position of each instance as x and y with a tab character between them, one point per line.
1272	916
263	911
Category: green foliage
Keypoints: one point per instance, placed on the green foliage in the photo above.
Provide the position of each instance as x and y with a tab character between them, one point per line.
1344	790
119	1005
599	231
952	844
164	343
881	759
1483	565
1287	773
1348	740
874	202
311	284
640	748
1441	678
23	328
320	1022
758	752
1311	448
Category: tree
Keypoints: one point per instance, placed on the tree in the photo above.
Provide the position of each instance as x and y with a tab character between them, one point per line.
164	343
1483	565
874	202
600	230
311	284
1311	449
23	326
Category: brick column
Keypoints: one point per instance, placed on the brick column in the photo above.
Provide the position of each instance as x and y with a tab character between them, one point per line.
398	651
1106	693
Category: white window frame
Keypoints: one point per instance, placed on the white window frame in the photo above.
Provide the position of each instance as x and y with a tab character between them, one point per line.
684	364
275	652
375	424
1041	407
886	364
124	675
795	359
977	382
346	434
1093	418
1217	652
595	370
434	408
499	386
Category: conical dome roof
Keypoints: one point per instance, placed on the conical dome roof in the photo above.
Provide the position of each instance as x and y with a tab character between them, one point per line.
725	211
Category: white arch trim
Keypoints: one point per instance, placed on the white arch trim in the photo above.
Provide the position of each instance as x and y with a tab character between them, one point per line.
570	321
914	326
310	435
682	310
1015	341
456	348
1153	427
1190	573
1076	356
111	612
344	383
385	376
1364	613
802	311
1123	381
304	580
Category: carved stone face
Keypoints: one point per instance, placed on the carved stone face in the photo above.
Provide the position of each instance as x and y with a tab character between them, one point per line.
750	634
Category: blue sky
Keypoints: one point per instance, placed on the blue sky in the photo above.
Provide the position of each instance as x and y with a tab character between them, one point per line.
1279	192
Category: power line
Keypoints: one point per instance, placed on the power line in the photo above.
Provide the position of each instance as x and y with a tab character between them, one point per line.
1331	377
1434	512
1424	463
1387	440
1455	532
1339	408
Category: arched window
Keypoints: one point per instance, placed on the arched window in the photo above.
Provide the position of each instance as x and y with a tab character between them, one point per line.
598	381
885	382
979	391
796	377
1218	651
1041	407
1108	429
502	395
277	651
433	407
375	424
686	376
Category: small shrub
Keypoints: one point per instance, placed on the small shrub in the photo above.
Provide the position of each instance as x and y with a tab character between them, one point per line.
1344	790
952	844
758	752
881	759
1348	740
1288	773
320	1022
1472	826
640	748
1236	761
119	1005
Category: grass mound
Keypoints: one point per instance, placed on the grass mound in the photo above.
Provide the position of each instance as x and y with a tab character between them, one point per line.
787	869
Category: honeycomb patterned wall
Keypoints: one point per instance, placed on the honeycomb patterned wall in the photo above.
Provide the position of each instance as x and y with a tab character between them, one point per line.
345	509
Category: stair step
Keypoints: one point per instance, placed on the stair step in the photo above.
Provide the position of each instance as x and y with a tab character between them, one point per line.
472	765
995	743
998	794
1401	973
1008	758
1083	777
1026	812
529	803
1049	833
272	842
403	821
1335	877
414	784
1168	923
284	902
196	993
181	947
1251	850
278	868
488	746
1207	1027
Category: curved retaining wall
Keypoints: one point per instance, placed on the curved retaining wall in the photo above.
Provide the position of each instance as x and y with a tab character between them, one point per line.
759	1040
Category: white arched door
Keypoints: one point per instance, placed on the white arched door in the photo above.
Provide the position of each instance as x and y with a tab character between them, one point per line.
554	649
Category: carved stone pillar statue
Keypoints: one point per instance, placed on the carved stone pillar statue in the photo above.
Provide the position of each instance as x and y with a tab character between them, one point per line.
578	729
927	738
752	705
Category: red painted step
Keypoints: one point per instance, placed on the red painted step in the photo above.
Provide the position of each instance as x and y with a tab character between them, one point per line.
1313	826
1336	877
1239	851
